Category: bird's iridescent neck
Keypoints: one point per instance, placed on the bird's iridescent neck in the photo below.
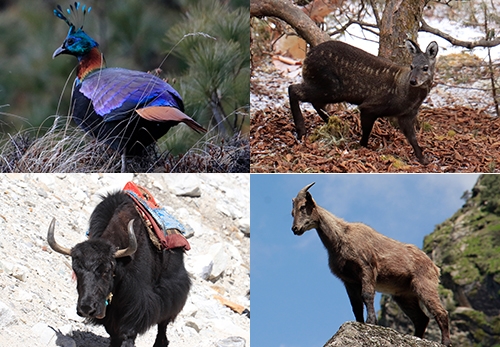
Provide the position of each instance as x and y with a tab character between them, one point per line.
92	61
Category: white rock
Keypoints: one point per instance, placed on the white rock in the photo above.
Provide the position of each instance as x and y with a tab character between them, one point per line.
229	328
45	333
79	195
187	185
244	226
194	324
20	272
47	179
219	259
234	253
23	295
70	313
233	341
7	315
200	265
7	267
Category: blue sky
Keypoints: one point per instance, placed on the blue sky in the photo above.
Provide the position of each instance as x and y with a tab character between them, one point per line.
296	301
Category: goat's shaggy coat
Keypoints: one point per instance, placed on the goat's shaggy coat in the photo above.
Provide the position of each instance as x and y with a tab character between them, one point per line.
367	261
148	287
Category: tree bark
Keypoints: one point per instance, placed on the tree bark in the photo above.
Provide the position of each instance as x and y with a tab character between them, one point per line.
291	14
400	21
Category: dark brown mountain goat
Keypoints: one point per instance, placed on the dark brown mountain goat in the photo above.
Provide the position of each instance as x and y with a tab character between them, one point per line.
335	72
367	261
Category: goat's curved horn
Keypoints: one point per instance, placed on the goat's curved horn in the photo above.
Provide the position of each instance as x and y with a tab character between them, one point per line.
132	243
303	191
52	241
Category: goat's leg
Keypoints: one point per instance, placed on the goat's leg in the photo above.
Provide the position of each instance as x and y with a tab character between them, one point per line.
319	107
411	308
295	94
368	297
367	121
406	123
428	295
368	281
354	293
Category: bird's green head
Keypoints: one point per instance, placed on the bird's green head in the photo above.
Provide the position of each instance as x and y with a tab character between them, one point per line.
77	42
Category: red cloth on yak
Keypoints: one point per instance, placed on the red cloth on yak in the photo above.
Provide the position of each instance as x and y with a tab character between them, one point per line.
151	211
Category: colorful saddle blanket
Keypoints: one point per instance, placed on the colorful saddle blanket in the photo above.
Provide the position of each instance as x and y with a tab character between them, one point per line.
165	230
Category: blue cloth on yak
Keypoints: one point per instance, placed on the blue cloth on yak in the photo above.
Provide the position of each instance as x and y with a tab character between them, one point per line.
164	219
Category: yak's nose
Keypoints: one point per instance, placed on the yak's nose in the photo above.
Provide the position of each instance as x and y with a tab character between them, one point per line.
87	309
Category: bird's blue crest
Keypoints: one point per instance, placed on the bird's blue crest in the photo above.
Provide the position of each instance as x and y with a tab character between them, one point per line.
76	17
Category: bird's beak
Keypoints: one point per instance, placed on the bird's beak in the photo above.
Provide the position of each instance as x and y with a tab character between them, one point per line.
60	50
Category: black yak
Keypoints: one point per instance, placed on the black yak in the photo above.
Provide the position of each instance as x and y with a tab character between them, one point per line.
123	281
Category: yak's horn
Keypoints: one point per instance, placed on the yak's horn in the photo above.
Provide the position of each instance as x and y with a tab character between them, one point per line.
132	243
52	242
303	191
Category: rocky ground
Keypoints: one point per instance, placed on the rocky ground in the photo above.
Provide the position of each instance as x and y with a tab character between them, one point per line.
38	296
359	334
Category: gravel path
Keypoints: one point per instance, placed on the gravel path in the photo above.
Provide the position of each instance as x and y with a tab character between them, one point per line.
38	296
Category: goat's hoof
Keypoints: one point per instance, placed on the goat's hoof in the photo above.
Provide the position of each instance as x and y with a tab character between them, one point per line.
424	161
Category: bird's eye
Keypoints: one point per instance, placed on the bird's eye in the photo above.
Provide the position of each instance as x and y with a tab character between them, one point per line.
70	41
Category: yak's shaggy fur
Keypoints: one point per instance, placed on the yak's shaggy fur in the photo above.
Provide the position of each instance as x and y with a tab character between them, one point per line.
148	287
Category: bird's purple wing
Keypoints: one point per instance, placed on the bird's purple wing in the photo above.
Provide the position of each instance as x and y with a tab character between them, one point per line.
114	92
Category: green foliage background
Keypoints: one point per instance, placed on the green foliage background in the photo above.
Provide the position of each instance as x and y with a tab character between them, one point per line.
131	34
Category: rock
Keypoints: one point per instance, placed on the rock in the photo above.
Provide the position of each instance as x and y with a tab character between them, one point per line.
7	315
194	323
20	272
244	226
184	185
45	333
367	335
23	295
70	313
233	341
219	260
200	265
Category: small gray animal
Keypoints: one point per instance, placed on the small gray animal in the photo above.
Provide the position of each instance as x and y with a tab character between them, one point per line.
335	72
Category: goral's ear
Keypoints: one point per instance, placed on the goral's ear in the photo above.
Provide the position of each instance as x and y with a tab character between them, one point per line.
309	199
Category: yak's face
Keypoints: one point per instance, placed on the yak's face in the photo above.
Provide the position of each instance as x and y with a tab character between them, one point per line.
304	214
94	265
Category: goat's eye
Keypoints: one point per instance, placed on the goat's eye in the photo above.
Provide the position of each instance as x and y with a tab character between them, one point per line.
303	207
425	68
411	67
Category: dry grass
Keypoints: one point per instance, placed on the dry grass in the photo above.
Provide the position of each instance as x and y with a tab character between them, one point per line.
64	148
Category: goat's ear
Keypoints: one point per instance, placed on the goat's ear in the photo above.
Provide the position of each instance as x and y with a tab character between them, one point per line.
432	49
309	199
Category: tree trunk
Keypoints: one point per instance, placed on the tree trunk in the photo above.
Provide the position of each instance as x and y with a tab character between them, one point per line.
399	19
291	14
